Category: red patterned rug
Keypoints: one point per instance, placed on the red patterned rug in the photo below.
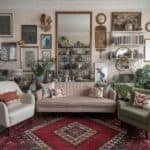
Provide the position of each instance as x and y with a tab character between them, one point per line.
21	140
75	134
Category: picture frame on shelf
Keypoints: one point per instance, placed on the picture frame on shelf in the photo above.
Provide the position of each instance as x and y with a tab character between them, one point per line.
126	21
101	72
46	55
46	41
28	56
6	24
29	34
9	51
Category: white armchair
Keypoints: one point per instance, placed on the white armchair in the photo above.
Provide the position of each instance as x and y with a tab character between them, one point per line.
15	112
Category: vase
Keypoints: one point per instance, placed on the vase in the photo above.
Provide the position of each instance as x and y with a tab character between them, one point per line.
39	80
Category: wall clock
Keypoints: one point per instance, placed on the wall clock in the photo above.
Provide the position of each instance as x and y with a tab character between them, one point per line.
101	18
147	26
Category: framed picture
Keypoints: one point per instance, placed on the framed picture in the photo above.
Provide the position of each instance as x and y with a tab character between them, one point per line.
29	34
28	56
126	21
9	51
101	72
6	24
46	55
46	41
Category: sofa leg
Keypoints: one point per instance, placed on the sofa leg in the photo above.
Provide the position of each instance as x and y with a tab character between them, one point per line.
146	134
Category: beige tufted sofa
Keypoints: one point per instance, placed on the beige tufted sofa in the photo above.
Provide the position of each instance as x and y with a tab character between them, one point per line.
76	99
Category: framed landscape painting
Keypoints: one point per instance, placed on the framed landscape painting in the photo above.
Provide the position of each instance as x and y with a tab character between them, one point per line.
28	56
46	41
126	21
6	24
29	34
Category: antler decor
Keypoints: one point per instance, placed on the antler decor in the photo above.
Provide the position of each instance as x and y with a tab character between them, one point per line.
45	23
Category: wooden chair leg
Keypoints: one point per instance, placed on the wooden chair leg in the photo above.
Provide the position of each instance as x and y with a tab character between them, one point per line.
146	134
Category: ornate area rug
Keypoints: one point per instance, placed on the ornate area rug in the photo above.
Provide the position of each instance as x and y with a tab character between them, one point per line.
74	134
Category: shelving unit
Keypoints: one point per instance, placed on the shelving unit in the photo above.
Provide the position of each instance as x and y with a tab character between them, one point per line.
74	62
127	38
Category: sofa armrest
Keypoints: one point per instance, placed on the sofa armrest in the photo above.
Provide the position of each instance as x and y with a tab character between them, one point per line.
4	117
28	98
38	94
112	94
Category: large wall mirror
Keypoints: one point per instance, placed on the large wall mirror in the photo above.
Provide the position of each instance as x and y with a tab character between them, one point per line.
73	43
147	50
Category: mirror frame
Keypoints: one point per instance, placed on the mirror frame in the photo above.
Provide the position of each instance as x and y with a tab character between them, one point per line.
122	48
145	50
56	31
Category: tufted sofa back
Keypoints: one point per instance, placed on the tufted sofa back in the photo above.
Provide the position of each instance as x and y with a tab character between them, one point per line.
75	88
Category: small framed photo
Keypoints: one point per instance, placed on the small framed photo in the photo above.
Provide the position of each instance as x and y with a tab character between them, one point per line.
46	41
46	55
101	72
29	34
9	51
6	24
28	56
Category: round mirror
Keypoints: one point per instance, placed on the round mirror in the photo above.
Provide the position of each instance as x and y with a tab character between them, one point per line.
123	52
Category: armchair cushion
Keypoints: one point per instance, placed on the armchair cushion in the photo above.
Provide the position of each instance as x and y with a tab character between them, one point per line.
9	96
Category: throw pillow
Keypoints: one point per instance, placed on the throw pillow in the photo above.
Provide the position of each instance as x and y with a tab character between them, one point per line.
9	96
96	92
57	93
141	99
46	89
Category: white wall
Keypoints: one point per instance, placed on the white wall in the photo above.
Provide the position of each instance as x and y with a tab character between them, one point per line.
31	16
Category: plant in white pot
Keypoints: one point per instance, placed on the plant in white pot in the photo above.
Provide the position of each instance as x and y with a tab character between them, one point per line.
40	68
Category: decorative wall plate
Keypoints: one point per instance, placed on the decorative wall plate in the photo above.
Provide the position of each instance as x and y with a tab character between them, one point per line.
122	64
101	18
147	26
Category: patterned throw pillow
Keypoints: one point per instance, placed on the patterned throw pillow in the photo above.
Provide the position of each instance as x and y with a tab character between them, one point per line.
57	93
9	96
46	89
141	99
96	92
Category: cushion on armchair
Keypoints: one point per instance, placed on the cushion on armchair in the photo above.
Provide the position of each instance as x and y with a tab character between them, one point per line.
9	96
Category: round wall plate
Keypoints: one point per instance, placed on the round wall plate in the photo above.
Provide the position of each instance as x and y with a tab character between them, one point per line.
147	26
101	18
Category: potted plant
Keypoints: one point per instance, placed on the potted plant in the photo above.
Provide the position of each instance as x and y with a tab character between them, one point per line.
40	68
123	91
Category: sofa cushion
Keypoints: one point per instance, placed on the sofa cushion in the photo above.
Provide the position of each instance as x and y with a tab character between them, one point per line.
76	101
96	92
135	113
46	89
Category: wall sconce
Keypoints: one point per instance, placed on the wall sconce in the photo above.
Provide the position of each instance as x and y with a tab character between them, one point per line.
45	22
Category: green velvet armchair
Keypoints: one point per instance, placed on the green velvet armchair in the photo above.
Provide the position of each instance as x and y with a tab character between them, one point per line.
134	115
